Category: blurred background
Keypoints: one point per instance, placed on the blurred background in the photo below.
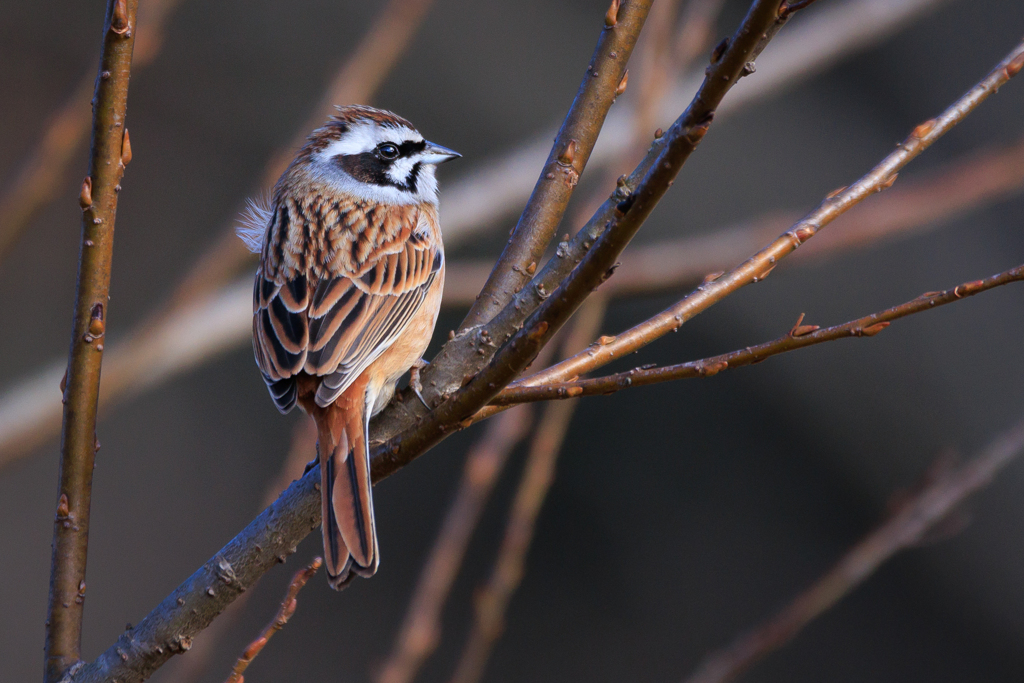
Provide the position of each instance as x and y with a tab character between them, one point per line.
681	514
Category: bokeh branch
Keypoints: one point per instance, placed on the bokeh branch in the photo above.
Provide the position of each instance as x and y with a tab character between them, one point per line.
603	81
45	168
491	601
539	310
799	337
757	267
907	526
420	631
284	613
111	151
198	327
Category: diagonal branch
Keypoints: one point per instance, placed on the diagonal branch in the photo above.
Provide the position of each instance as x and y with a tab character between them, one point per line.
906	528
284	613
603	81
421	627
212	324
528	322
757	267
801	336
492	600
111	151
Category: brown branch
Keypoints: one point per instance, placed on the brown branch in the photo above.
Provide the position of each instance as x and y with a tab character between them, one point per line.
284	613
44	169
757	267
197	333
195	666
602	82
210	325
421	628
470	355
904	529
800	336
111	151
491	601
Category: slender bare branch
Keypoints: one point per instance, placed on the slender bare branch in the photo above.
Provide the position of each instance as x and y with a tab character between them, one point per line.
521	337
47	163
421	628
799	337
111	151
499	186
29	415
195	666
284	613
142	649
215	323
491	601
602	82
905	528
757	267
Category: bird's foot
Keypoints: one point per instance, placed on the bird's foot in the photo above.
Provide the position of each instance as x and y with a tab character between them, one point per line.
414	381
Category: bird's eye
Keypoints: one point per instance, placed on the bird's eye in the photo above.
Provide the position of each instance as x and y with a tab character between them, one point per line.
386	150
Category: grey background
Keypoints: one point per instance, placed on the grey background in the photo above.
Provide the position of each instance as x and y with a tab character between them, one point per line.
681	513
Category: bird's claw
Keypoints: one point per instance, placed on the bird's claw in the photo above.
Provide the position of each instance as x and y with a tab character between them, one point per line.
414	381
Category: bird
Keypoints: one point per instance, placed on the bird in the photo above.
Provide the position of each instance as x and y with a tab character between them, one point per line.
345	300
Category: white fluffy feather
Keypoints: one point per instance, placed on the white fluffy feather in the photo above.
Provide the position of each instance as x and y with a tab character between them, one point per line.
254	222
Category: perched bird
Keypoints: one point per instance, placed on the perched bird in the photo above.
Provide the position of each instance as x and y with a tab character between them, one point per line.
346	298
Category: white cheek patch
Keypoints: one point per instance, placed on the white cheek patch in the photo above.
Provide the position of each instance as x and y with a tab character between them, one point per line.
400	169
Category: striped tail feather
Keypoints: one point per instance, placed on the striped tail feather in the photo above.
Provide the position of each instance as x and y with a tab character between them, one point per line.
350	535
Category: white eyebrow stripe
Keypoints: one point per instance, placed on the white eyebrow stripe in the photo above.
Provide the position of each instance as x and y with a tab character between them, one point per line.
364	137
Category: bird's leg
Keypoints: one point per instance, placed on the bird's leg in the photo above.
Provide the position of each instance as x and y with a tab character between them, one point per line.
414	380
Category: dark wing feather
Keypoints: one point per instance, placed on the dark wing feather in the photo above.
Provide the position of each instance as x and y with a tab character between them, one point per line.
337	326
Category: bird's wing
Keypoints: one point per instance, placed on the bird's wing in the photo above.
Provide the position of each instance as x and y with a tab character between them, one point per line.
336	327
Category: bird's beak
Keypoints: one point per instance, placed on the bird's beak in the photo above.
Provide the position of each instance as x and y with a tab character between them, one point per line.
436	154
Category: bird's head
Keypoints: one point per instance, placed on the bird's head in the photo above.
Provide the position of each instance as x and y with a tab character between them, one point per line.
375	155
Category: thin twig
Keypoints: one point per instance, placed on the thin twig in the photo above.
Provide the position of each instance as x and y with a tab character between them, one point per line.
800	336
220	321
757	267
284	613
421	628
603	81
44	169
198	333
111	151
518	337
195	666
498	186
904	529
491	601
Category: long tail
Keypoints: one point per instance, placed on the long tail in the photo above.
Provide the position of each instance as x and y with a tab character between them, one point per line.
350	536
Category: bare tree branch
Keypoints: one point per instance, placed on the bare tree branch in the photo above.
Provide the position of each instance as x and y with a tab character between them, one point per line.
195	334
761	264
800	336
111	152
527	323
491	602
44	169
421	628
284	613
904	529
219	321
603	81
